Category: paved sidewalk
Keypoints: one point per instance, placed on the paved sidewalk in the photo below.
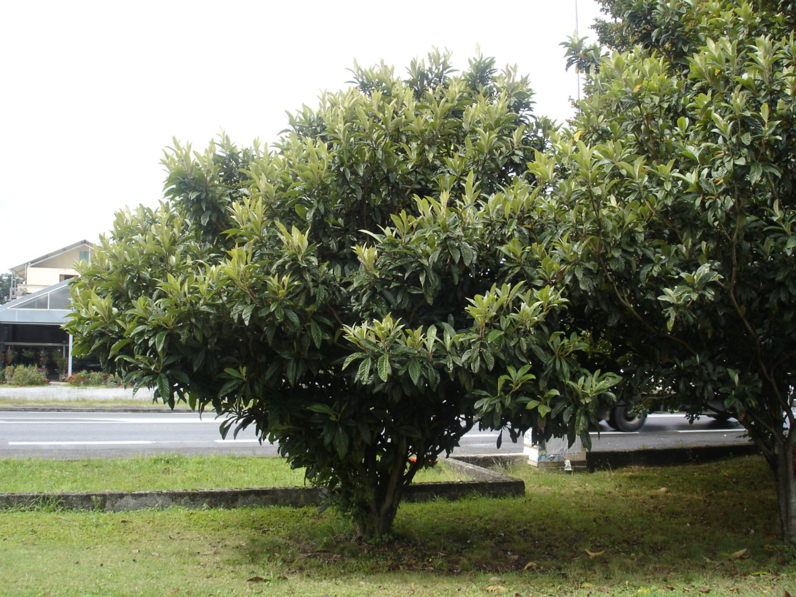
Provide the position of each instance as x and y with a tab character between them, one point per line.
63	392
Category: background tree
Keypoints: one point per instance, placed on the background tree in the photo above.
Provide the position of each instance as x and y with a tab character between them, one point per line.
354	292
675	187
5	287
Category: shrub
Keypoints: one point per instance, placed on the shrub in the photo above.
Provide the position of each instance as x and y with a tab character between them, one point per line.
9	356
93	378
22	375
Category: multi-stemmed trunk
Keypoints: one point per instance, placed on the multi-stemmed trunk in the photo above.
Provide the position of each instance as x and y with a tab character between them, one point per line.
776	439
782	466
375	513
386	497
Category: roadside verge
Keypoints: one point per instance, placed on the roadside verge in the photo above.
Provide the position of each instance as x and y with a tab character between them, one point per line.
484	482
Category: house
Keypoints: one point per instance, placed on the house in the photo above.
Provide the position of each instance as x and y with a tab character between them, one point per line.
30	324
48	269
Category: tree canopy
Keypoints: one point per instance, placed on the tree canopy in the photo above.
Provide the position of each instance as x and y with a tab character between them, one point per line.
675	186
5	287
361	292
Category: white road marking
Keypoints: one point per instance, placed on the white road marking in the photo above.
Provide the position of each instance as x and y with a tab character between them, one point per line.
614	432
498	454
106	422
711	430
667	415
237	441
83	443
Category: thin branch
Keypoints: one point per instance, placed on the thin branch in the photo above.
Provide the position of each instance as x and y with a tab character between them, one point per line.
619	296
739	311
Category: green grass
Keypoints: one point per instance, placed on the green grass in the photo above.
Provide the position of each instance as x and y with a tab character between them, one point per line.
87	403
173	471
643	540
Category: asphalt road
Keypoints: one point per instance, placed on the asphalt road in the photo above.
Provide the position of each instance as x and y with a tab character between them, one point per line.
74	435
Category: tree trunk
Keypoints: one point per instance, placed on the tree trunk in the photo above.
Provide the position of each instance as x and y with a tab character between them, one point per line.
786	490
382	515
376	515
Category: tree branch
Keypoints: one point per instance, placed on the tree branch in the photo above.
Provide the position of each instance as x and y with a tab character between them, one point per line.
625	303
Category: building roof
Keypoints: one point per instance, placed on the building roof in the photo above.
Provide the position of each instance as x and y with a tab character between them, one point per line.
45	307
20	269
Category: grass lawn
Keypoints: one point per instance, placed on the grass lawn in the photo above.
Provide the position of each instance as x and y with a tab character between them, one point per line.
114	403
171	471
685	530
109	403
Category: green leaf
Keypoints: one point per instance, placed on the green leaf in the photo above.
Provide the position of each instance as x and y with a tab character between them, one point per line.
489	359
160	341
756	172
341	442
229	387
117	346
414	371
363	373
247	313
317	335
233	373
293	317
494	335
384	367
351	358
468	255
164	387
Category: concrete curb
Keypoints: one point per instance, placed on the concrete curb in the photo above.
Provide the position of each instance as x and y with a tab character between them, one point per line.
91	409
666	456
619	459
487	483
62	392
481	462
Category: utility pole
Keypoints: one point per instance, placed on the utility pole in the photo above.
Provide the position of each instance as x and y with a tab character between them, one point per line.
577	34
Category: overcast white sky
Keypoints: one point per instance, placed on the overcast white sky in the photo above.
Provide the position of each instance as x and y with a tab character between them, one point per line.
93	91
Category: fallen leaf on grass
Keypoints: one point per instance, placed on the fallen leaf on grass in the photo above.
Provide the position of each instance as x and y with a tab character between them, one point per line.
135	550
257	579
594	554
705	591
664	490
155	554
738	555
586	585
495	579
530	565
